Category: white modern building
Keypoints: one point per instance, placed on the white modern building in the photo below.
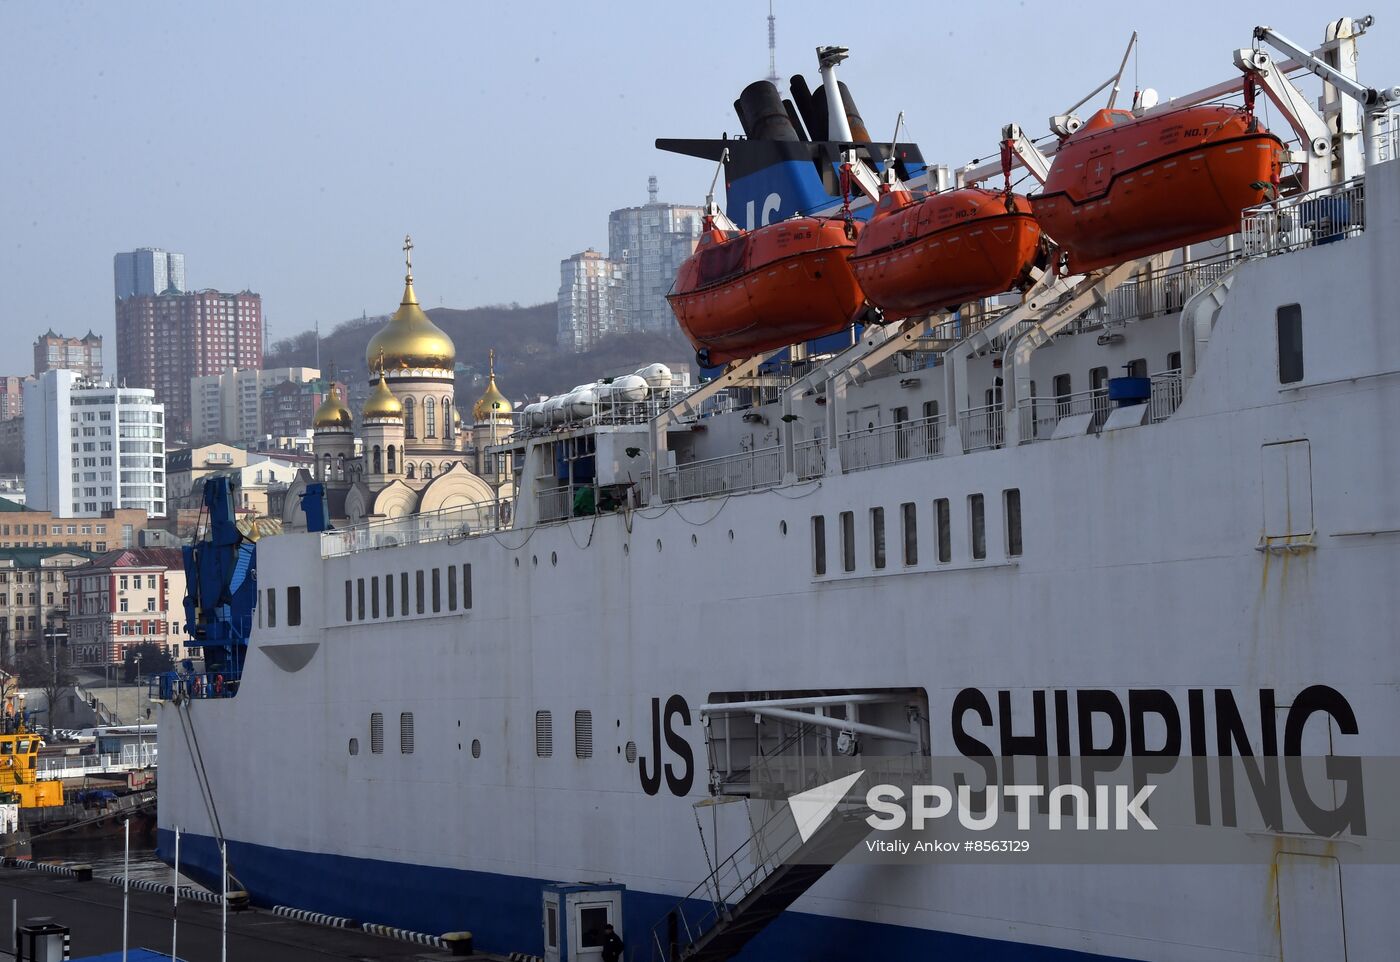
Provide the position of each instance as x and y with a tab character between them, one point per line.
591	293
148	270
228	407
650	242
91	447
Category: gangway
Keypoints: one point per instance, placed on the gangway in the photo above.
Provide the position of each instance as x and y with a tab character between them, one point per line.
754	885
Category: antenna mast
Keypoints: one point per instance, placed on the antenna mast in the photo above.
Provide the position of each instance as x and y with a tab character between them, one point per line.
772	46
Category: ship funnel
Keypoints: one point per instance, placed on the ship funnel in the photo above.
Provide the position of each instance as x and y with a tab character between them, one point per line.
762	113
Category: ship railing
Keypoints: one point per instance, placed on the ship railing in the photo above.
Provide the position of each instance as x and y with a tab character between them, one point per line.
810	457
172	685
1041	415
1166	395
132	757
448	523
555	504
1323	216
890	443
982	428
746	471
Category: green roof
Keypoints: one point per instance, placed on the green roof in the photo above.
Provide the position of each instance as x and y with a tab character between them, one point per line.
31	557
7	505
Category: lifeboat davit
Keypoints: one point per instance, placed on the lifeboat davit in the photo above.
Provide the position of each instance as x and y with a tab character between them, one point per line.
1124	186
918	255
745	292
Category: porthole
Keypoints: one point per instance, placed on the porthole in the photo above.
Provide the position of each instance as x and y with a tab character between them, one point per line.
694	540
631	753
476	748
554	558
782	528
658	544
354	746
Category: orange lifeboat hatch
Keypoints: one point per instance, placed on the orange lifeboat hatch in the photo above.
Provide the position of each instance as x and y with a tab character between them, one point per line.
922	255
745	292
1123	186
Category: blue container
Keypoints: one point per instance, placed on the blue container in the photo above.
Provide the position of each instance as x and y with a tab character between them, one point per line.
1129	390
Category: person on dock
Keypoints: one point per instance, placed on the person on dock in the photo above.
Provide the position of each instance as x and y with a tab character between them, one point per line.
612	945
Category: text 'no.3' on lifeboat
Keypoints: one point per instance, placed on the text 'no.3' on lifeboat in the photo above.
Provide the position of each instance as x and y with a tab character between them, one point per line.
745	292
940	251
1123	186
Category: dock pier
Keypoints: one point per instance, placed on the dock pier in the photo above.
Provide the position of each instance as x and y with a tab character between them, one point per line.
92	910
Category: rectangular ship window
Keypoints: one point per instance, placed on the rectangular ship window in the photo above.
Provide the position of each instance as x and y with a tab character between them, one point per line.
583	734
945	530
374	596
360	599
388	596
406	733
1011	499
977	517
877	537
293	606
467	587
437	590
451	591
403	592
349	601
818	544
272	607
848	541
544	734
376	733
418	591
909	516
1290	343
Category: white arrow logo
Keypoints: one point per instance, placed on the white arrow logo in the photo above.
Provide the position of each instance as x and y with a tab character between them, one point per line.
810	808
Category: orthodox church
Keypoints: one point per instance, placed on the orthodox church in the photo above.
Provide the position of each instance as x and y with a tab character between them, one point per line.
411	453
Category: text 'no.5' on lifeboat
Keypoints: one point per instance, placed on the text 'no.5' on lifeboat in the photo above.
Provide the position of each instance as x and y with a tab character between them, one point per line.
922	255
1123	186
745	292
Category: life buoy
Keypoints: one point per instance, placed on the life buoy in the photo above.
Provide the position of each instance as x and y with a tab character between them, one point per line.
218	684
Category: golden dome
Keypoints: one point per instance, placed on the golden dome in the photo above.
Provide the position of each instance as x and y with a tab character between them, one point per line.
492	403
382	403
410	339
332	413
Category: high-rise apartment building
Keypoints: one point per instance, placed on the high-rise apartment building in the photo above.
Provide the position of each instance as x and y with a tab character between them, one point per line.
164	341
11	397
591	292
289	409
229	406
56	352
147	270
650	242
91	448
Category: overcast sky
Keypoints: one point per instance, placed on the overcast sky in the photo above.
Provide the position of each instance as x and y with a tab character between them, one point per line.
288	147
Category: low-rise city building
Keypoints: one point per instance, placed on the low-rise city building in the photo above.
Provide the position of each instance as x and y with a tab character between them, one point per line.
24	527
125	598
34	596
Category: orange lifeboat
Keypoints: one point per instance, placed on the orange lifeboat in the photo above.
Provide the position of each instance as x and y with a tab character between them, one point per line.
943	250
745	292
1123	186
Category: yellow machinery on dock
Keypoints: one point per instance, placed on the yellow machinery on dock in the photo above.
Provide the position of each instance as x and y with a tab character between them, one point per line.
19	762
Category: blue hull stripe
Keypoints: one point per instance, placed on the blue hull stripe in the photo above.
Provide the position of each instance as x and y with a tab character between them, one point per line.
503	911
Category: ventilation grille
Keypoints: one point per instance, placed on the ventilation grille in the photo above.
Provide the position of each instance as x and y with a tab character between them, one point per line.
631	753
583	734
406	733
376	733
544	734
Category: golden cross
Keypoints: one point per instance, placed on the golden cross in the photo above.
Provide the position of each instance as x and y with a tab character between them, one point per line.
408	252
381	363
492	355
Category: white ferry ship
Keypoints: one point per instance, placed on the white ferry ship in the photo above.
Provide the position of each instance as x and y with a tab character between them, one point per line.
1169	479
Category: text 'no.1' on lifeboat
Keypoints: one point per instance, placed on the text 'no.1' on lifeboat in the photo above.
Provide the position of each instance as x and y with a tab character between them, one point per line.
1124	186
921	255
745	292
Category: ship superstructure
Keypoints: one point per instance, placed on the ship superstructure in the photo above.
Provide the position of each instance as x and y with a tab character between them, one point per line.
1169	480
